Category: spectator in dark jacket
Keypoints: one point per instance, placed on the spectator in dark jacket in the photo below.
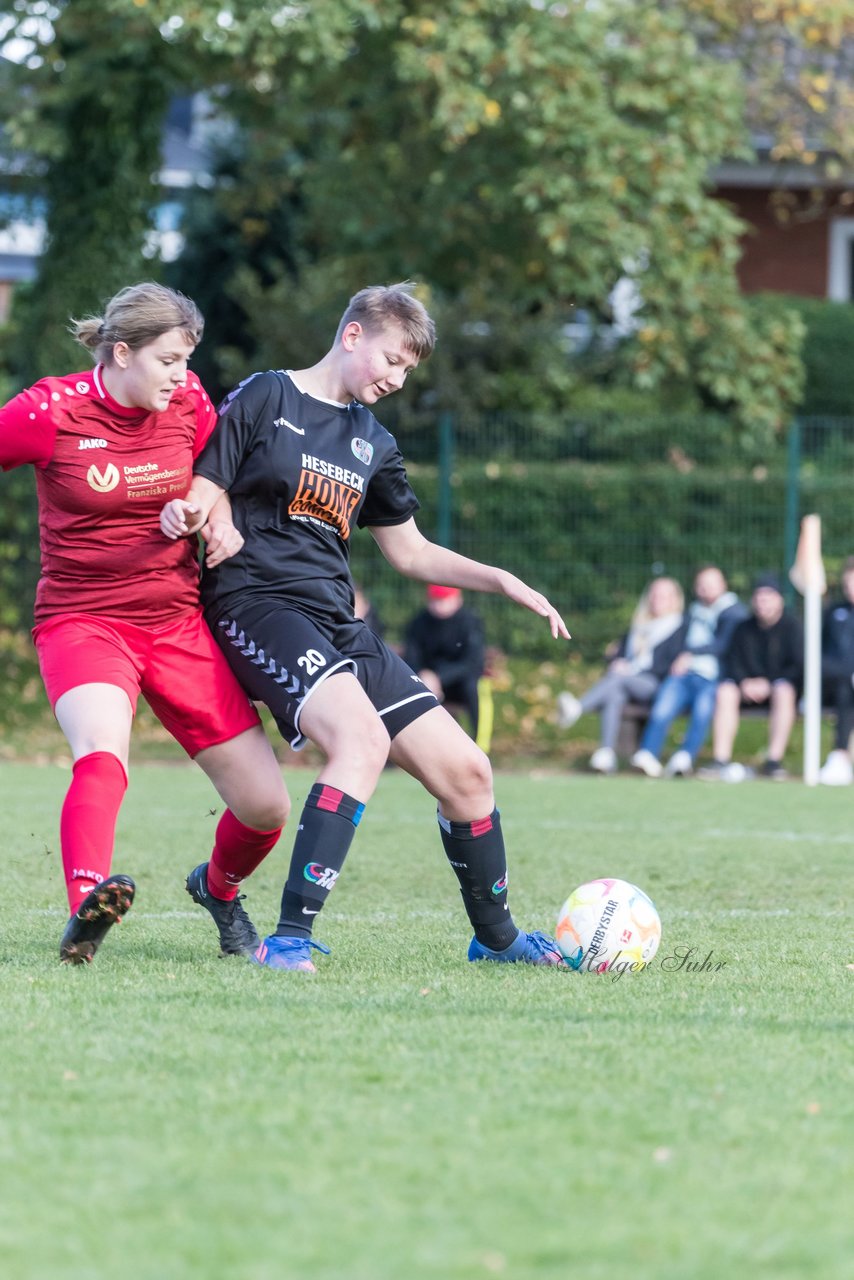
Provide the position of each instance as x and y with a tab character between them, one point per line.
636	667
692	682
444	645
837	670
764	668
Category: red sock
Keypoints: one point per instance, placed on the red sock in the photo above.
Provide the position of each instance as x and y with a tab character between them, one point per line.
237	851
87	827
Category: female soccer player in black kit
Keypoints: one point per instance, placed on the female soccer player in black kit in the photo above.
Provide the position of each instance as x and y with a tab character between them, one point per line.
304	460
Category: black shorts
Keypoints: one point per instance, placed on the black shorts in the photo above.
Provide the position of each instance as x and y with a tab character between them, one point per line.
280	657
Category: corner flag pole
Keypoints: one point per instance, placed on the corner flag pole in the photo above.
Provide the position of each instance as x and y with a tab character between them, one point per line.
807	576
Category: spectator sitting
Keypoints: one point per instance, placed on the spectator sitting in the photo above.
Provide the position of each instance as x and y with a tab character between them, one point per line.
764	667
837	669
693	678
636	667
444	645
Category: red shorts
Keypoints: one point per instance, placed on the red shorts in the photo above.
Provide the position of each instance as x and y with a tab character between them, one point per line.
178	668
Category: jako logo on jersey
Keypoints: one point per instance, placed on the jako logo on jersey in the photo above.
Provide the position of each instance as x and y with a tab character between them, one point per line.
500	885
323	876
82	387
283	422
93	443
362	450
102	483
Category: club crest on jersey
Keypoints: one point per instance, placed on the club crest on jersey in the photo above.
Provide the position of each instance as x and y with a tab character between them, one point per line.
92	443
103	482
362	450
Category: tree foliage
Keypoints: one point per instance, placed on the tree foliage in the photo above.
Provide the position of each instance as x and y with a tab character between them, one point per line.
520	158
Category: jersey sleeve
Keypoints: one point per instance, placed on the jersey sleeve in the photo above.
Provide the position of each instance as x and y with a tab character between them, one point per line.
390	498
28	427
235	432
205	416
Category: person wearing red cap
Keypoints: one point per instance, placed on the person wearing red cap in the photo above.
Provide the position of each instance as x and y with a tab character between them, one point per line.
305	462
444	644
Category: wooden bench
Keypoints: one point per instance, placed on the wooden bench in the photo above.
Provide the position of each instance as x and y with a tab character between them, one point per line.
636	715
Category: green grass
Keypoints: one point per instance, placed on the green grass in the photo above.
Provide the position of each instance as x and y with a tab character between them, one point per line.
403	1115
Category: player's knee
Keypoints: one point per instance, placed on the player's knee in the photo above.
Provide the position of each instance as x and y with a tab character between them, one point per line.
471	780
275	813
364	746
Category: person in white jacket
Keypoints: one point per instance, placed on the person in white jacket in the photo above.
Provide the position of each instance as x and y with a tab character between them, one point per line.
636	666
693	680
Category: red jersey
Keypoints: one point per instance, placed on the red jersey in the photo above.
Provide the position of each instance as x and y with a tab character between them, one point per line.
103	473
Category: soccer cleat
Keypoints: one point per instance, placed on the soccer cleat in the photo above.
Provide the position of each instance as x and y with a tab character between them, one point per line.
107	903
647	763
680	765
604	760
288	953
237	934
528	948
569	710
773	769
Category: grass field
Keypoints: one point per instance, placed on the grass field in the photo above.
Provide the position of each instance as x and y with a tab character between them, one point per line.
404	1115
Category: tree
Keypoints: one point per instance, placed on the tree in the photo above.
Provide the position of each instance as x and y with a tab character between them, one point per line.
514	154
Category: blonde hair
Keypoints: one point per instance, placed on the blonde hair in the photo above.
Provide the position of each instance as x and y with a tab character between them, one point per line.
379	305
138	315
642	613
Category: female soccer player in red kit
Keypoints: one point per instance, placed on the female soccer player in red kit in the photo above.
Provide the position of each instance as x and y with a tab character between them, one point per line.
117	609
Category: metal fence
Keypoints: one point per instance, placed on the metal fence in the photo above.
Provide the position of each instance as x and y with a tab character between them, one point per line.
587	511
590	516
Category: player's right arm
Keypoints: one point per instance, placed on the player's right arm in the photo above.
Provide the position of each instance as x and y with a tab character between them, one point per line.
240	417
183	516
28	428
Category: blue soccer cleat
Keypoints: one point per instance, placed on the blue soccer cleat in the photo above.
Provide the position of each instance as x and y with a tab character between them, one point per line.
529	948
288	953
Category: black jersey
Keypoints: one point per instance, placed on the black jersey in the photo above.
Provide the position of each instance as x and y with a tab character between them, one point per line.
300	473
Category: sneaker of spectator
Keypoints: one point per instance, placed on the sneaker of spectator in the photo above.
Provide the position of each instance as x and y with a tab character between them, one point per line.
726	771
680	765
837	770
646	763
604	760
568	710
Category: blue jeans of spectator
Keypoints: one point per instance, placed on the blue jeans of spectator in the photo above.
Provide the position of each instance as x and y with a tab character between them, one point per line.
677	694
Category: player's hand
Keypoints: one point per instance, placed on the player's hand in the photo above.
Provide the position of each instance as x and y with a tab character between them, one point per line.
223	540
515	589
176	518
681	664
756	689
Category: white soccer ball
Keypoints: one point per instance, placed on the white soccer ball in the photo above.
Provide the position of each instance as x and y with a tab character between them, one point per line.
608	924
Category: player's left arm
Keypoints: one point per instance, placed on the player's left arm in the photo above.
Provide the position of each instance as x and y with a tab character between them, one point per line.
408	551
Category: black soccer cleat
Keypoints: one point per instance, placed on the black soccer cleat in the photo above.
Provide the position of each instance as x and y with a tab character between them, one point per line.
237	934
107	903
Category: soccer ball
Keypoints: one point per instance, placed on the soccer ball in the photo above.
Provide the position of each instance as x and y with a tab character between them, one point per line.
607	924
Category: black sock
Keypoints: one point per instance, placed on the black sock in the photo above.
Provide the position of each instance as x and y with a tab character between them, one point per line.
476	852
326	829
